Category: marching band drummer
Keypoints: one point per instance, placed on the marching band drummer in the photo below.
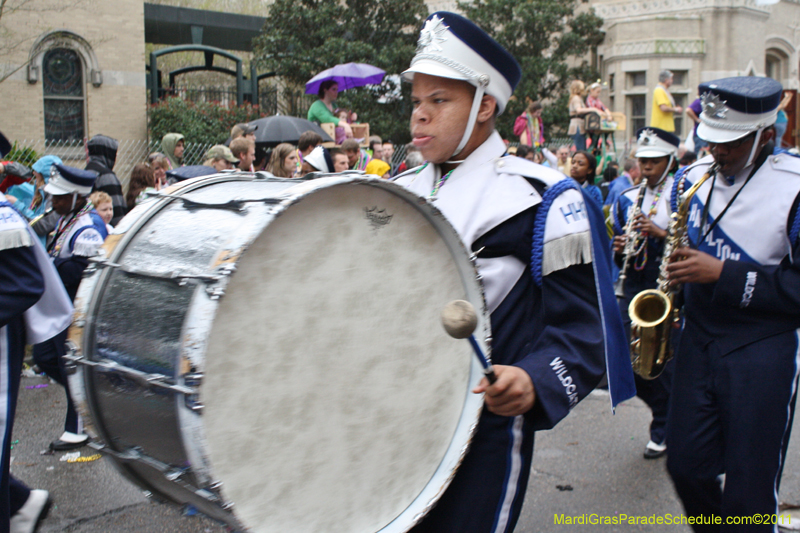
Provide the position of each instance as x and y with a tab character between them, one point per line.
33	308
546	362
735	380
657	152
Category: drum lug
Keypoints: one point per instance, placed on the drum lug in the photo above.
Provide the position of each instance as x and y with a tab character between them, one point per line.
174	475
228	506
215	293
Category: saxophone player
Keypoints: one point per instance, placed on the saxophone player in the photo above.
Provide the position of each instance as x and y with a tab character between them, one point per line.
644	211
736	367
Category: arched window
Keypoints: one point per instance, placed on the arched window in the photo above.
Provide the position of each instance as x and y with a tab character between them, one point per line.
62	82
777	64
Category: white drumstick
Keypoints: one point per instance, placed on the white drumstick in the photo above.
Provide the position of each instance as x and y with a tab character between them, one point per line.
460	320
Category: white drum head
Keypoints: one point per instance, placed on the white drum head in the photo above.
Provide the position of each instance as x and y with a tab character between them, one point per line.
331	391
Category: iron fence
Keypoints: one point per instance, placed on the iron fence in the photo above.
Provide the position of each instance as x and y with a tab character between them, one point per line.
129	153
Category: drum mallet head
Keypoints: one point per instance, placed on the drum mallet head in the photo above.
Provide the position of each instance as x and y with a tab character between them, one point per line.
460	320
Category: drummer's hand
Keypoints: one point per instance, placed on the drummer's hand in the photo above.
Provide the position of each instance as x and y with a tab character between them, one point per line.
511	395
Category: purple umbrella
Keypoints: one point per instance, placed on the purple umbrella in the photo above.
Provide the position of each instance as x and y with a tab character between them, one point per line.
348	76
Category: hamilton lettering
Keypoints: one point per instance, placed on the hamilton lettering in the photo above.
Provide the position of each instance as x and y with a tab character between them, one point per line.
720	249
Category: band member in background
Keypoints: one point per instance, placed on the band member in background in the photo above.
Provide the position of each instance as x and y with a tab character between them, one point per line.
75	240
656	151
545	362
736	368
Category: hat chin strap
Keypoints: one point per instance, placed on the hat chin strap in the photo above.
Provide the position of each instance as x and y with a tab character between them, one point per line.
754	149
74	201
473	115
669	166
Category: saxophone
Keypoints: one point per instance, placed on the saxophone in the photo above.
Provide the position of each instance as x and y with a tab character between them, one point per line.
632	244
653	312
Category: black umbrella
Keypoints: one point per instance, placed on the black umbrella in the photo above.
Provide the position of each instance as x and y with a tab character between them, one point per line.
5	146
284	129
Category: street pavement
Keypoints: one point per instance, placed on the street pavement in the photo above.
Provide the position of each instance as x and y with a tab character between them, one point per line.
591	463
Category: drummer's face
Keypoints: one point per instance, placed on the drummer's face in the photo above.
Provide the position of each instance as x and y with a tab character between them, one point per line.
439	119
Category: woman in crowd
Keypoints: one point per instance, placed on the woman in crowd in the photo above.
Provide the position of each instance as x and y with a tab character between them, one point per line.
321	111
283	163
782	121
577	111
142	180
584	166
529	126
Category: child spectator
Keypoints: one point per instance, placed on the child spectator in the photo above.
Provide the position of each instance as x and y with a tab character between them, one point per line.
104	208
160	165
344	118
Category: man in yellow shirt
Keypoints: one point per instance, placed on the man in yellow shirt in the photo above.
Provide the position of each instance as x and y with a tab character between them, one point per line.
663	104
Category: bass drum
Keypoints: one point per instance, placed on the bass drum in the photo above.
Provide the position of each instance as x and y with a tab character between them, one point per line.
271	352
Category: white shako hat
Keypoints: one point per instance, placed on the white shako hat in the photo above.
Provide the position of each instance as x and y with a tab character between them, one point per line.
69	180
736	107
655	142
320	159
451	46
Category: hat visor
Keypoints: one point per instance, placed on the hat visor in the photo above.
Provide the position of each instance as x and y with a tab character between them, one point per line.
433	68
53	188
720	136
232	160
651	152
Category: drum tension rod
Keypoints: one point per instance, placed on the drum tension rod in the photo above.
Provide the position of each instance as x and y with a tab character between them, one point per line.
180	278
142	378
237	206
134	454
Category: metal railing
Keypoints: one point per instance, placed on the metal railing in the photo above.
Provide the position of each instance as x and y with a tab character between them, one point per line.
129	153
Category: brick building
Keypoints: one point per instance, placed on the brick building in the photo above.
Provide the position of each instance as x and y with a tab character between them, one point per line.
698	40
76	69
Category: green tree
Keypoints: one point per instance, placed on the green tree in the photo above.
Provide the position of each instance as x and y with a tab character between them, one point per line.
544	36
304	37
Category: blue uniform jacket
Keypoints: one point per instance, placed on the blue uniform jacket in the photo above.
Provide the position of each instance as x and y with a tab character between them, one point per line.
758	293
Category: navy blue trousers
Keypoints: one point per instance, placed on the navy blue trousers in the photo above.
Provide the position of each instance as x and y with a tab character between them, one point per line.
48	356
488	490
731	414
11	361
